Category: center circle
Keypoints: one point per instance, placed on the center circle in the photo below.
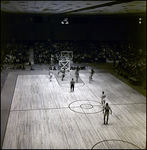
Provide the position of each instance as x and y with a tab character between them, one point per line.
86	106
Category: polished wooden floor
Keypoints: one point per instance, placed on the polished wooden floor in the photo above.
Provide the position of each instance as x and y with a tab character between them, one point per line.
44	114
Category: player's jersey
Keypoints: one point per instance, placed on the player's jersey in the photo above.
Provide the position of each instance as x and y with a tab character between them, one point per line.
72	82
107	108
92	72
103	97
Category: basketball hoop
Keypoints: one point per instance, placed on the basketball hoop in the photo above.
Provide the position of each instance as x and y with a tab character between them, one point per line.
66	57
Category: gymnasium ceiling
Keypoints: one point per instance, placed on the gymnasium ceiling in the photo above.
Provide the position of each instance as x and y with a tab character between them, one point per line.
74	7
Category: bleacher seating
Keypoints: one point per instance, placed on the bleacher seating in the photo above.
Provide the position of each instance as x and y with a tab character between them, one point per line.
131	59
14	53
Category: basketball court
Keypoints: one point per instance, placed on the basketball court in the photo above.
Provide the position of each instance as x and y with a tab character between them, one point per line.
44	114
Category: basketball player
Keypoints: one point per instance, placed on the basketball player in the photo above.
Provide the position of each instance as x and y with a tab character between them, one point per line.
77	75
104	105
50	76
78	68
59	68
106	112
63	75
92	72
72	83
103	98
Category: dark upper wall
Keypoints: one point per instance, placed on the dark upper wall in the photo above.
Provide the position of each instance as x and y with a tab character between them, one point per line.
39	27
7	28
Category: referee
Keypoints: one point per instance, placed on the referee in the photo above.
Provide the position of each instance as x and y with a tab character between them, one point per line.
72	83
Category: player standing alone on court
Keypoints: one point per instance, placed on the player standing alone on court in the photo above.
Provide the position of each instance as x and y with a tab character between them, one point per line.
77	75
92	72
50	76
72	83
106	112
103	98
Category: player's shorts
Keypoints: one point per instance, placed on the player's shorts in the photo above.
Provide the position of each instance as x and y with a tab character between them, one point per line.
106	113
103	100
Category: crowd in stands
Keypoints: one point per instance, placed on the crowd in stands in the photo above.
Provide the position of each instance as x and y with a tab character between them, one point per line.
14	53
131	58
83	52
132	64
42	53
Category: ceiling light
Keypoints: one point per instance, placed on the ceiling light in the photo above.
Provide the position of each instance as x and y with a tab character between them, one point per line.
65	21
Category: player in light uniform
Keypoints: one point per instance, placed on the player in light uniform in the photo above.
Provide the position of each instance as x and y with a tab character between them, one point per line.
103	98
77	75
50	76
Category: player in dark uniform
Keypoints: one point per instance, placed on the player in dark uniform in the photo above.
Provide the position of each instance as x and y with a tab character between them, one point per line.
91	75
72	83
106	112
78	68
63	75
92	72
